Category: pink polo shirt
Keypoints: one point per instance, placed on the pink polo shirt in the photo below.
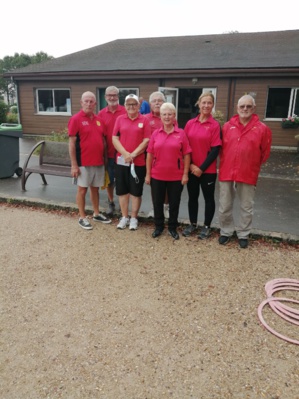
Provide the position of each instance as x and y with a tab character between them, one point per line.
89	143
131	133
203	136
168	151
109	119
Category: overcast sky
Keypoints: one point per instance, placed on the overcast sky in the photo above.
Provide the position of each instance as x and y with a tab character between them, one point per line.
60	27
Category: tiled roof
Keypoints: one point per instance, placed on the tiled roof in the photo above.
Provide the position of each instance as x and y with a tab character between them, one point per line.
222	51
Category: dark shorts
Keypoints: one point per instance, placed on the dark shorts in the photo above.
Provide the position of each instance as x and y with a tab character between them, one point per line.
125	182
111	171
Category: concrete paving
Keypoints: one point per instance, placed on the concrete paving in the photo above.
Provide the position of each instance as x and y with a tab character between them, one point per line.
276	202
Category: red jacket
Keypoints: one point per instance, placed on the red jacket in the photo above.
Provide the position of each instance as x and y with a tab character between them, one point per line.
244	149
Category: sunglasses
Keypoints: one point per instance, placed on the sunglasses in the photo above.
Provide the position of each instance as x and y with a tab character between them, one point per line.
245	106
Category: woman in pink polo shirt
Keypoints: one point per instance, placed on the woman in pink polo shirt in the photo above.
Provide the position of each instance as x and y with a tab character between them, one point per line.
167	166
204	137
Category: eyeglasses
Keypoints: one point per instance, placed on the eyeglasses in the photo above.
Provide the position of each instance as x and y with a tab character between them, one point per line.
111	95
157	101
131	105
249	106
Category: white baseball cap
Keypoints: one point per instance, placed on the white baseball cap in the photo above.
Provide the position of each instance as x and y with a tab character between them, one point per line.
132	97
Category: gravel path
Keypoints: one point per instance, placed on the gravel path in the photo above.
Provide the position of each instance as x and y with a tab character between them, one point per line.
118	315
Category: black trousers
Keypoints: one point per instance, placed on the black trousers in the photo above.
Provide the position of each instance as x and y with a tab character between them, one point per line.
174	190
207	182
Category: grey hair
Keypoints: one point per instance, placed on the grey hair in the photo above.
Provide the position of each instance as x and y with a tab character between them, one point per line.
248	97
157	94
88	94
112	88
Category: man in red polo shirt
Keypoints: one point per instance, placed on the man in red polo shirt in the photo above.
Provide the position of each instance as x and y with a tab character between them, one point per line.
130	137
109	115
87	147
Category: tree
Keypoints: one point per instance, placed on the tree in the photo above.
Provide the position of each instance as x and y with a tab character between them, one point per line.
9	63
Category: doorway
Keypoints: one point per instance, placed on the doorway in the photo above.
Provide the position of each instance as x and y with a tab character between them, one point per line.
186	105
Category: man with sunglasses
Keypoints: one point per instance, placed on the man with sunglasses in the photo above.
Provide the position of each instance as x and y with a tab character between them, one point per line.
246	144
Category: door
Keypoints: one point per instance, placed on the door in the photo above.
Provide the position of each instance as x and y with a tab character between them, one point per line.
171	94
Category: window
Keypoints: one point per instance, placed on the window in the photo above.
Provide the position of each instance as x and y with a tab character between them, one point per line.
282	103
53	101
124	92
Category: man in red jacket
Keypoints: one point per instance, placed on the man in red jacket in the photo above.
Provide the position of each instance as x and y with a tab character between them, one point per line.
246	144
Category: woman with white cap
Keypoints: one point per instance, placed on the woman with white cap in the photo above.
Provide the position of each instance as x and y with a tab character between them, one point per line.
130	138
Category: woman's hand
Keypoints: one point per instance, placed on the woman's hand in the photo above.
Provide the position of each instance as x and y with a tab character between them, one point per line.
185	179
147	179
195	170
128	157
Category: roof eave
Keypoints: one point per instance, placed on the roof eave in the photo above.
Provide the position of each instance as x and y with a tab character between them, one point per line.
183	73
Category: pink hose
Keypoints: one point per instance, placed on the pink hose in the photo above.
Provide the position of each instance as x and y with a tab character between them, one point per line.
286	312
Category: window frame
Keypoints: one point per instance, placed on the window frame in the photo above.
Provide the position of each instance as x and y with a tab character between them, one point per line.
68	111
294	96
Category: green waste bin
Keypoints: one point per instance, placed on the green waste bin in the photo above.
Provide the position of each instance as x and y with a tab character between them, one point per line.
10	150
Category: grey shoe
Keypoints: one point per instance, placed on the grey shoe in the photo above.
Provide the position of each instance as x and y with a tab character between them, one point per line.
205	232
189	230
101	218
84	223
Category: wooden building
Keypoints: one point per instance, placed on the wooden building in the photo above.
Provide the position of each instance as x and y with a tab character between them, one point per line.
265	64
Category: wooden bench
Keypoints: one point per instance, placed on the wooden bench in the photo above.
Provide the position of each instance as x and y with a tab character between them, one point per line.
54	160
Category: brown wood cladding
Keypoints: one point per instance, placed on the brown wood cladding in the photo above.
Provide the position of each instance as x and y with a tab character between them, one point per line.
228	92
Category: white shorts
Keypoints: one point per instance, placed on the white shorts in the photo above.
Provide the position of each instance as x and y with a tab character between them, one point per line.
93	176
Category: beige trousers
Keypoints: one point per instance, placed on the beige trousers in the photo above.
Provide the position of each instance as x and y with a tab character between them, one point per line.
245	194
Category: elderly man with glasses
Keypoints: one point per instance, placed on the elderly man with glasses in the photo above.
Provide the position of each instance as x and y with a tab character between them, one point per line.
246	144
109	114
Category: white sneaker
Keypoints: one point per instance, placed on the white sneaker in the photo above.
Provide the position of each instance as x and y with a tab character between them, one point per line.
133	224
151	214
166	211
123	223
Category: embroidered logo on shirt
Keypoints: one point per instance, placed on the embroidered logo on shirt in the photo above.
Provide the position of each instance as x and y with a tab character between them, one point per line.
85	123
140	125
98	123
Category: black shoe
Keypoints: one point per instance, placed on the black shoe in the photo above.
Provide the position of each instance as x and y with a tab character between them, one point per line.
156	233
243	243
205	232
189	230
223	240
174	234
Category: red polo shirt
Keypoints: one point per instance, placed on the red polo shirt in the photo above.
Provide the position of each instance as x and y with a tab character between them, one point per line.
131	133
168	151
154	121
203	136
109	119
89	143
